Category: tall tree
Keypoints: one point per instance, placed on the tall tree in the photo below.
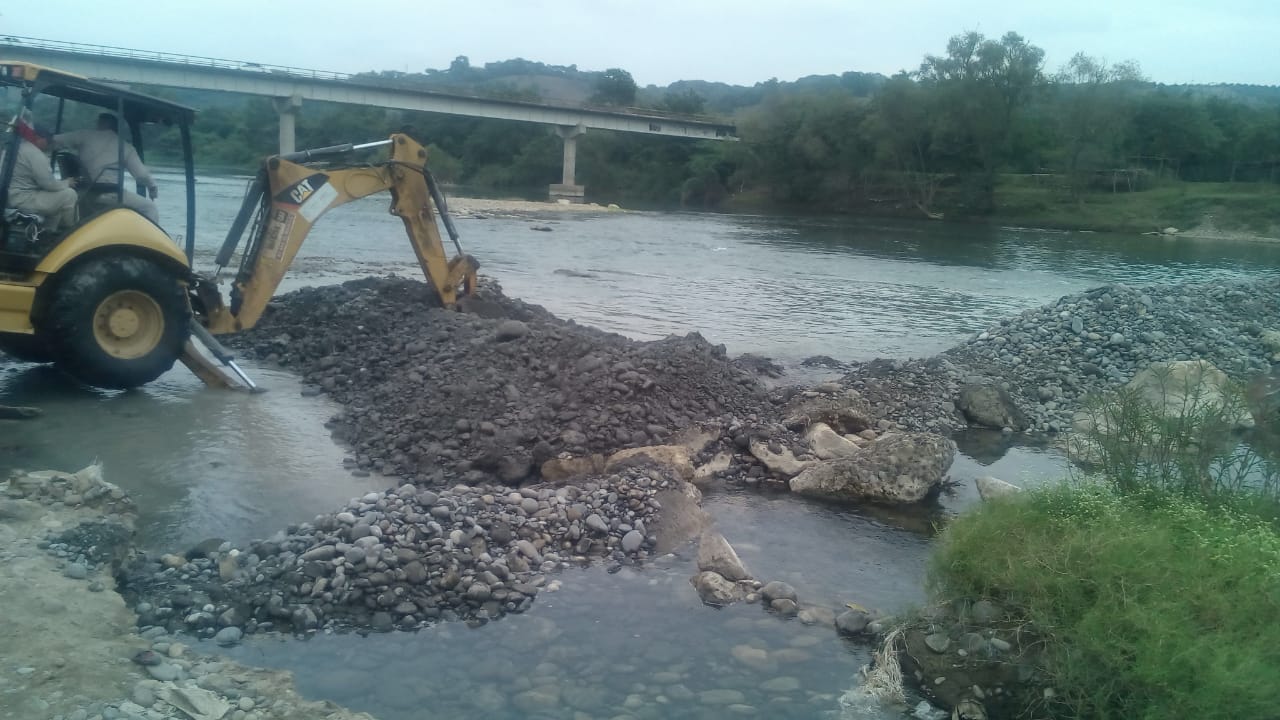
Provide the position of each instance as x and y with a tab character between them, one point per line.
983	85
1175	130
902	126
1093	109
615	86
685	102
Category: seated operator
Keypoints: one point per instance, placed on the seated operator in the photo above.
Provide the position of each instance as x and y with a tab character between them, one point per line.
33	188
99	154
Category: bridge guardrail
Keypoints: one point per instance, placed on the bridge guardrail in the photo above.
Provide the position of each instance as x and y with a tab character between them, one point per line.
367	79
167	57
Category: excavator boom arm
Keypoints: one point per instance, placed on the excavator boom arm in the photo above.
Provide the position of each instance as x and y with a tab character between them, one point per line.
294	196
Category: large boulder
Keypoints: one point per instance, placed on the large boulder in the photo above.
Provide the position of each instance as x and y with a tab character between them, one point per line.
827	444
682	517
1190	388
897	468
780	461
715	590
990	406
672	457
704	474
560	469
1186	402
715	554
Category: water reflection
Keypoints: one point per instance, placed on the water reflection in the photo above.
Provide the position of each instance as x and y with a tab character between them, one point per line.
199	463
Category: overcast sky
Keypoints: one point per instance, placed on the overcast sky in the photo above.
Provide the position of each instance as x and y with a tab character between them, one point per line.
660	41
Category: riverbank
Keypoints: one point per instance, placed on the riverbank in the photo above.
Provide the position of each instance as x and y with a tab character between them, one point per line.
1147	603
1234	212
481	208
1212	211
73	649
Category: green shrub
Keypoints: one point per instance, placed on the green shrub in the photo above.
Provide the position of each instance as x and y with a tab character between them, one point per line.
1180	438
1155	605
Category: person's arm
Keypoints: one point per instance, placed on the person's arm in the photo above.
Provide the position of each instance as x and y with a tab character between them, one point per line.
38	168
69	140
138	170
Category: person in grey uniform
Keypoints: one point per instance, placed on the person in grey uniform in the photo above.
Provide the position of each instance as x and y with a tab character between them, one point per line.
34	189
99	153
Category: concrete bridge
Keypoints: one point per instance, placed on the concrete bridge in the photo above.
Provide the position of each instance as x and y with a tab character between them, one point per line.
289	87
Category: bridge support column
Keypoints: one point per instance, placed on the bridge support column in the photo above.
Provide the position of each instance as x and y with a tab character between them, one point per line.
567	189
287	109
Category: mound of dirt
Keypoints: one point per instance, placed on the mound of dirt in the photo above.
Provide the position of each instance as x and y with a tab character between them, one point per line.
437	396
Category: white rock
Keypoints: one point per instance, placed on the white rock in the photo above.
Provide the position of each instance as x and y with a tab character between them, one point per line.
827	444
897	468
990	488
715	554
783	464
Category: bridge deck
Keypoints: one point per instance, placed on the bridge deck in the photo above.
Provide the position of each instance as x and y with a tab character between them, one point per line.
179	71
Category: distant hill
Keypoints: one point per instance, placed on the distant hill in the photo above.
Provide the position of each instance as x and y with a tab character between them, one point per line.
567	84
725	99
516	79
520	79
1251	94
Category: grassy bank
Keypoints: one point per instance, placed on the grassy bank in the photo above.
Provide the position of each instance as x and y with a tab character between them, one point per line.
1156	606
1246	208
1238	209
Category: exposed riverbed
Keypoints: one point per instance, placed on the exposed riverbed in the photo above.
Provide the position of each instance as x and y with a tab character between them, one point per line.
204	464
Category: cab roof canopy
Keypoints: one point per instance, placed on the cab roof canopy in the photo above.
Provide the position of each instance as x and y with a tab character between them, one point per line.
138	107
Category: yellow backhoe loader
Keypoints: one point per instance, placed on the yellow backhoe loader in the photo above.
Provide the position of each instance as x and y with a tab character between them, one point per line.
114	302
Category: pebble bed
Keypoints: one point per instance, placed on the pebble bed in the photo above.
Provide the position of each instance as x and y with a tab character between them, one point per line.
402	559
1050	358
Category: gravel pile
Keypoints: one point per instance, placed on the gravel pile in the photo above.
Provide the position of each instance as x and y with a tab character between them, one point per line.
401	558
916	395
438	397
1051	357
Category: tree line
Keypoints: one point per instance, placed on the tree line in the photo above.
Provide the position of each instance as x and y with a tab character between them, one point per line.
945	134
937	140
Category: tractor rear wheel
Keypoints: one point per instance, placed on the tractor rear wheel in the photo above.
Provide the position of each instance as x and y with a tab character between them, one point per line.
117	322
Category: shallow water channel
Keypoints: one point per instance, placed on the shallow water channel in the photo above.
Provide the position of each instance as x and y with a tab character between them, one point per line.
203	464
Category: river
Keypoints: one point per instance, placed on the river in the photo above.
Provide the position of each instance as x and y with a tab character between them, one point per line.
206	464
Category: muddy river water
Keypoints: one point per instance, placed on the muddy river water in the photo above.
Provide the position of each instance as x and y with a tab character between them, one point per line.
205	464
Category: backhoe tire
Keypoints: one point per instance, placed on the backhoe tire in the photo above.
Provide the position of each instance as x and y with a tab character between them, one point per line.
117	322
27	348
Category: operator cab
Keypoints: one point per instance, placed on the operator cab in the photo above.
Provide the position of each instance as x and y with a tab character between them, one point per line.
24	239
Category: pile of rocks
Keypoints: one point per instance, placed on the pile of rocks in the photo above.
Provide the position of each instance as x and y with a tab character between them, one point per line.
915	394
85	488
723	580
1051	357
977	659
102	538
1046	360
60	531
436	396
404	557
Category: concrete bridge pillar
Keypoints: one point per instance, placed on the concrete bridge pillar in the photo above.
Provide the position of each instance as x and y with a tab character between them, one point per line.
287	109
567	189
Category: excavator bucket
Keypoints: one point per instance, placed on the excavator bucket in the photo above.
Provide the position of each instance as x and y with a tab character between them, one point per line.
209	370
214	364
